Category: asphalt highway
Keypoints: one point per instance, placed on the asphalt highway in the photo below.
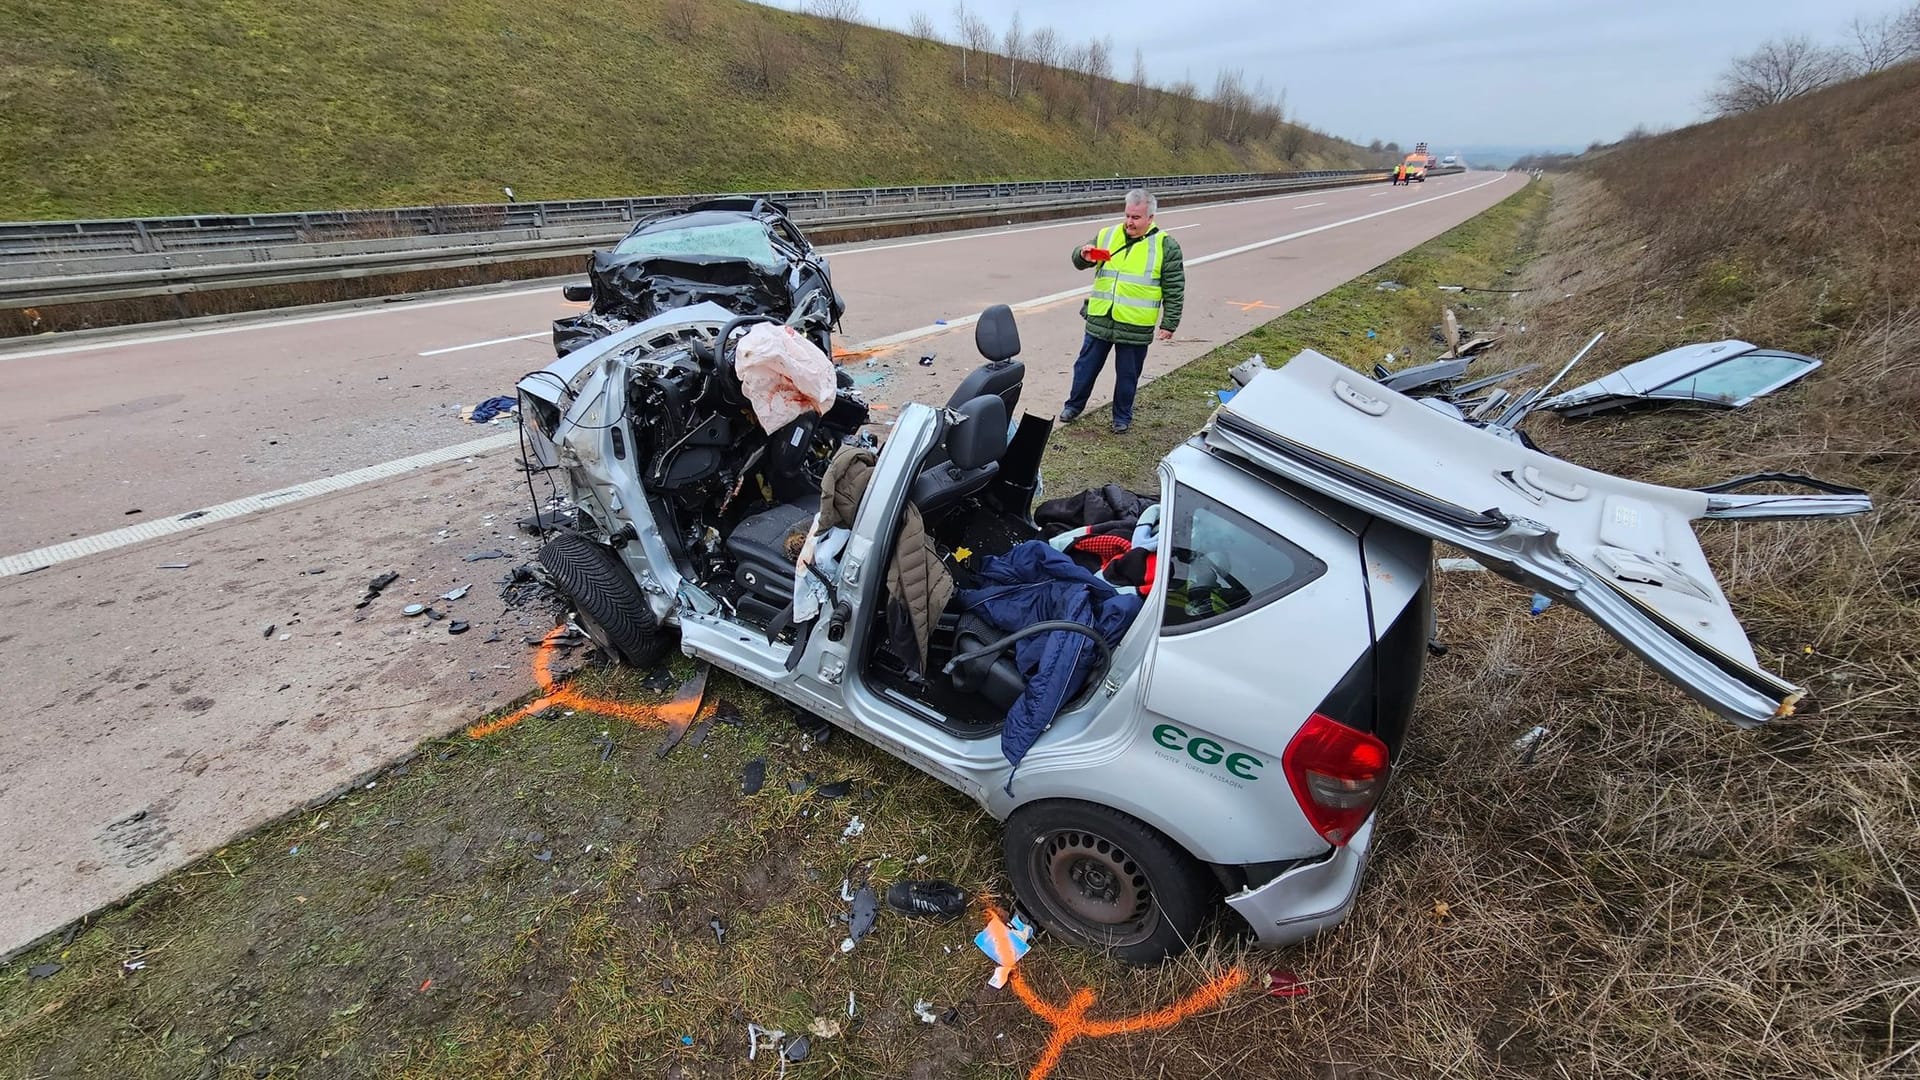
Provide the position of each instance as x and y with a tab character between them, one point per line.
192	514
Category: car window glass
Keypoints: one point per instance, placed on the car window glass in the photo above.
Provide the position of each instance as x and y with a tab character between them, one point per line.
737	239
1736	378
1220	563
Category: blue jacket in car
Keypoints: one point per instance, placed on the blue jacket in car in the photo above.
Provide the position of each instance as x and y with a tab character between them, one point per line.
1034	583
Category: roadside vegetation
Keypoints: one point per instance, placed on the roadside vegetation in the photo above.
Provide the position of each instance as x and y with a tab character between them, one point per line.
151	108
1651	893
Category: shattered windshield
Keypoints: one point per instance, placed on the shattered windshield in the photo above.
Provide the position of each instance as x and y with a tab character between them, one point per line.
745	239
1738	378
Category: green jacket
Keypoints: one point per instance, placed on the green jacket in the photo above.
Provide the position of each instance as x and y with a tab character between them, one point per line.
1173	289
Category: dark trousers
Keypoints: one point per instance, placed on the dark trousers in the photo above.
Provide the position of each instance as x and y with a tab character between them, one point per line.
1127	362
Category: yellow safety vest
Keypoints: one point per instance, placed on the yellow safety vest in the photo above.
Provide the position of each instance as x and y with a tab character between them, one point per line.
1127	286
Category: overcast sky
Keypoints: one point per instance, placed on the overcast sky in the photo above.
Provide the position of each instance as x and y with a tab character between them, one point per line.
1452	72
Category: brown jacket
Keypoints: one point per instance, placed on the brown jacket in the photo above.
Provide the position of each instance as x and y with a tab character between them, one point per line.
915	575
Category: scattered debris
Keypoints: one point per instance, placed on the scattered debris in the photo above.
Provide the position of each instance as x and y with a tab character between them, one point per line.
490	553
753	777
927	360
854	828
1388	286
457	627
866	912
1004	943
1459	565
1730	374
191	515
924	1010
798	1049
175	565
1529	744
759	1038
823	1028
719	930
268	630
679	712
927	899
414	609
455	594
491	408
1282	983
836	790
546	521
544	855
659	680
44	971
376	586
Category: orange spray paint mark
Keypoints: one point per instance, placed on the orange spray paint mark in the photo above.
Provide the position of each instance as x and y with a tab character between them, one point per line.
676	712
1069	1021
848	356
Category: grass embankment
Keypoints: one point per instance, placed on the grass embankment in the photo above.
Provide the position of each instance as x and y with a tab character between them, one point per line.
557	884
147	107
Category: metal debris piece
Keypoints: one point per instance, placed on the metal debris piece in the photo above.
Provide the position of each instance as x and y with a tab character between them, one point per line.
798	1049
414	609
455	594
679	712
719	930
491	553
457	627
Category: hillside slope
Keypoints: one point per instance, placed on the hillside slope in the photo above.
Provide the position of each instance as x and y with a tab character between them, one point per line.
147	107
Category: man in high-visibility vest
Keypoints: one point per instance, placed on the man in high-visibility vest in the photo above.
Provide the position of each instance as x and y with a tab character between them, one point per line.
1139	282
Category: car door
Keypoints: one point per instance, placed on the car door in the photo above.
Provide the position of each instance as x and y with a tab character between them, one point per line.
1621	551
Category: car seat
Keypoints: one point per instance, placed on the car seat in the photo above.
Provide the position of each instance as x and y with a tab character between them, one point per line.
973	441
998	339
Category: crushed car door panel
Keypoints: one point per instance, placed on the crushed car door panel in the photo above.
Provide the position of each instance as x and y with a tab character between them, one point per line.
1622	551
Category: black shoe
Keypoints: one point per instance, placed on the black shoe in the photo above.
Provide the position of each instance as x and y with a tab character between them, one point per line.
1068	414
1120	426
931	899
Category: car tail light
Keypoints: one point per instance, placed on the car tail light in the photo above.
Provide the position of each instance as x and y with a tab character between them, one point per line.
1337	774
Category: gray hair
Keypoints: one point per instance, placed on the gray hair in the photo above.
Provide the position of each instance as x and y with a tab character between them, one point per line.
1141	197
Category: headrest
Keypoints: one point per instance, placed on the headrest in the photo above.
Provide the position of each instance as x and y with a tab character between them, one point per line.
979	437
995	335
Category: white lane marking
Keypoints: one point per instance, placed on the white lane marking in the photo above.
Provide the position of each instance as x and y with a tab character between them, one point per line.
267	324
1377	194
1039	301
149	530
1304	206
483	344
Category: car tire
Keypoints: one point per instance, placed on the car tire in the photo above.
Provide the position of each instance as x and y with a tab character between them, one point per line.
606	600
1105	880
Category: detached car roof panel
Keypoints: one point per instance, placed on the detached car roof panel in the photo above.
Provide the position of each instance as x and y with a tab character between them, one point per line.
1700	373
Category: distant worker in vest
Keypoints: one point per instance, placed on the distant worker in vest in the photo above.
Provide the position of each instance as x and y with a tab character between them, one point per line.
1400	173
1139	283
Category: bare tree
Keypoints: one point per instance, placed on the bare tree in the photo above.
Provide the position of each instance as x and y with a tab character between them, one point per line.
1777	71
1181	98
683	19
1878	44
764	58
920	25
840	17
890	64
1139	79
1096	68
978	38
1043	47
1014	44
961	17
1229	105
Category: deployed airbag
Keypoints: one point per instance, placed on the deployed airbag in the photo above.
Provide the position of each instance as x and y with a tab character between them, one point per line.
782	375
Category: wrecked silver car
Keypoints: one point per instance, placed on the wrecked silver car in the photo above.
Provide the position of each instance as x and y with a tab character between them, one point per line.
1222	727
1728	374
744	254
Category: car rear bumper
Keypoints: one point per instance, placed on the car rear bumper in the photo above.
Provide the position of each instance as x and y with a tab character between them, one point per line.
1306	899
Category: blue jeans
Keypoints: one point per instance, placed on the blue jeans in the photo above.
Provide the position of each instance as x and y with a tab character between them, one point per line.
1127	362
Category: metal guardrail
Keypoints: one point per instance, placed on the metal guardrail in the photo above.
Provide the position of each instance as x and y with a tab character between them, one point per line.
34	241
46	264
